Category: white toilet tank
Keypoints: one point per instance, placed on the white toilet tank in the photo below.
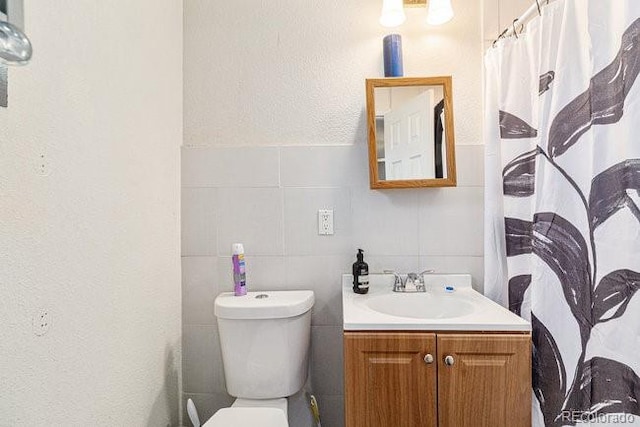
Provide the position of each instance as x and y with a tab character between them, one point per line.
265	340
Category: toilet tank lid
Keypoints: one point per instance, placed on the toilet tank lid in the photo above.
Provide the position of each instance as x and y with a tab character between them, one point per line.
263	305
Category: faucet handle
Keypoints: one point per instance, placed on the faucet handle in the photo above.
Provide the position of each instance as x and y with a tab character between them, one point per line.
421	282
398	284
412	283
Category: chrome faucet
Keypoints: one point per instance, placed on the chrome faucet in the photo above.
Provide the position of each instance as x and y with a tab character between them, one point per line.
398	283
412	283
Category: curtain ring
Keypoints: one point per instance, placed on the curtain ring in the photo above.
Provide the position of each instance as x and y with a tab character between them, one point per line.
515	32
501	35
538	4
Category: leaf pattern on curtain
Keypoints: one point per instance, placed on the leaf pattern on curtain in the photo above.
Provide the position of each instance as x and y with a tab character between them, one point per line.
549	375
606	387
614	291
609	191
512	127
545	81
518	285
519	175
518	233
599	385
603	102
561	246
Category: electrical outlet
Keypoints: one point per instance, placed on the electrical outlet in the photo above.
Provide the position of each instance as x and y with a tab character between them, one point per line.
325	222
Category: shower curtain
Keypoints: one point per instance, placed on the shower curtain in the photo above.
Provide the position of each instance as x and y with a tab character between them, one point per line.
562	225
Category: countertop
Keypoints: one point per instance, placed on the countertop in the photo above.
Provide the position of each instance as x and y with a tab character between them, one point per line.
485	316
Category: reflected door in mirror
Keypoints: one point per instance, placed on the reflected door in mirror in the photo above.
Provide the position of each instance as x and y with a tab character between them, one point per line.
409	139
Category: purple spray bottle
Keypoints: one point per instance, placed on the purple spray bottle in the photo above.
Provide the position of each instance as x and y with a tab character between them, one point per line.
239	276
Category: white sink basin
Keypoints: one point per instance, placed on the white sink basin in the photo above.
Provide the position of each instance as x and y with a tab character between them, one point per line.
464	309
420	305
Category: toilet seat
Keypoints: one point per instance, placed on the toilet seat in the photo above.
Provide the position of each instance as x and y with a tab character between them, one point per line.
248	417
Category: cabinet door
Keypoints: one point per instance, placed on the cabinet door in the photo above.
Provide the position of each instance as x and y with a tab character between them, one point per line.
489	382
388	383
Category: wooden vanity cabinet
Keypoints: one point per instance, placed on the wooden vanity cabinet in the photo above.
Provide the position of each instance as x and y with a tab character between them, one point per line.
387	380
406	379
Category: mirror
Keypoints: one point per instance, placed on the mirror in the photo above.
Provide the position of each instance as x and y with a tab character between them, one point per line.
411	141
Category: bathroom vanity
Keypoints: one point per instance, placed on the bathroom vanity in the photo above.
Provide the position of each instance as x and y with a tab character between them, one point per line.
446	359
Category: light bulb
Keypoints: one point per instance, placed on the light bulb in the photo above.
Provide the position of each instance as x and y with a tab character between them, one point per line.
392	13
15	47
440	11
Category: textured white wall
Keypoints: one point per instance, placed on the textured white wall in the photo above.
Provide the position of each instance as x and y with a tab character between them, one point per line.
292	72
93	235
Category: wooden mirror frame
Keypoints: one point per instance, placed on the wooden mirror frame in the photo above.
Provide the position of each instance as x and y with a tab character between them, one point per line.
445	82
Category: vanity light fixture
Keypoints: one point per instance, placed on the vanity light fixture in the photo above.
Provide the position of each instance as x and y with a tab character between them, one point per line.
15	47
392	13
439	11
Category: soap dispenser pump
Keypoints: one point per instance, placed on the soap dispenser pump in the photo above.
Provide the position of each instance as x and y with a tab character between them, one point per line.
360	274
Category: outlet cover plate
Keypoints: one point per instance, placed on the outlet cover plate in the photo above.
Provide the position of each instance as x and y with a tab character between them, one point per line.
325	222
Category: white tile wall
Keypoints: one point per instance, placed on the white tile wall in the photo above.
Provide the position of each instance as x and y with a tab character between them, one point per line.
273	211
326	360
252	216
399	263
200	285
227	167
324	166
199	220
318	273
451	221
263	273
386	222
202	359
301	221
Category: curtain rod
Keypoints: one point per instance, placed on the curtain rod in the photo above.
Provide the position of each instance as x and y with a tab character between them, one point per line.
535	8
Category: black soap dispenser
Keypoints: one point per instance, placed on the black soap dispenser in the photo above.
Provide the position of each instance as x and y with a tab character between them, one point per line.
360	274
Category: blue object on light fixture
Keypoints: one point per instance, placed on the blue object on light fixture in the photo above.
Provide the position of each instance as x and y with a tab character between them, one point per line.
392	52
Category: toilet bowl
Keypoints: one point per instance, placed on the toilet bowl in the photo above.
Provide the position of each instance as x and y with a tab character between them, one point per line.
264	338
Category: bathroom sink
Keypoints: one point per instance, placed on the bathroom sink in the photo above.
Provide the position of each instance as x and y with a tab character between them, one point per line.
420	306
463	309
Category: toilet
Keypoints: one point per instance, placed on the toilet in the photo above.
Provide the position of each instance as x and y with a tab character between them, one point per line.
265	339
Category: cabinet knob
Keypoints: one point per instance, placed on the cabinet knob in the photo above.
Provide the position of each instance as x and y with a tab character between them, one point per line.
449	361
428	358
